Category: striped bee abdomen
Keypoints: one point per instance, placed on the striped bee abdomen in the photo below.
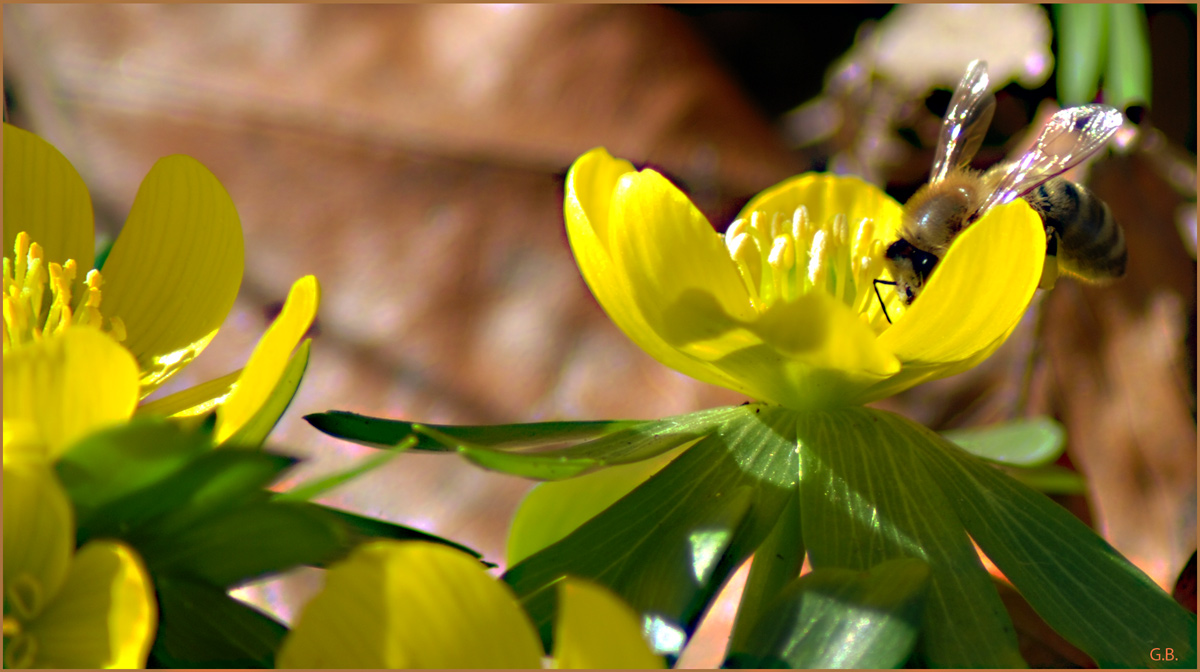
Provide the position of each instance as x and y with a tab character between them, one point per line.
1091	244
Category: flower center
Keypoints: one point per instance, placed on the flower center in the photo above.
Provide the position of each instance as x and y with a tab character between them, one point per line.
781	258
25	599
26	277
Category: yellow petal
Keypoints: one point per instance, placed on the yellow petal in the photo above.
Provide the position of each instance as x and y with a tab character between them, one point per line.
39	535
411	604
972	302
591	184
270	358
670	254
66	386
44	196
175	269
594	629
104	616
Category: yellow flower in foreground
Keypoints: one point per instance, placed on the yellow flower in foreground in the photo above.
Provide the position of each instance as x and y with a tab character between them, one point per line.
417	604
782	307
90	609
168	284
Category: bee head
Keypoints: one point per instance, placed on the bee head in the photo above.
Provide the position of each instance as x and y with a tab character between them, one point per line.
904	255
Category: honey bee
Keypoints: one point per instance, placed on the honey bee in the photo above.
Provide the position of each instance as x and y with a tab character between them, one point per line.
1082	238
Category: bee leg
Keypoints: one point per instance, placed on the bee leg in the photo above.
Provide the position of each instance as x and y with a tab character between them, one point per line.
877	282
1050	266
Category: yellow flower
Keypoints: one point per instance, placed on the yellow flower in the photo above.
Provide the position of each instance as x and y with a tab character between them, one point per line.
90	609
417	604
168	283
782	307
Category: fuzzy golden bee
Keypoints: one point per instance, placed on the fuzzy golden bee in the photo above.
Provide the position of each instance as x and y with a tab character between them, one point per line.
1082	238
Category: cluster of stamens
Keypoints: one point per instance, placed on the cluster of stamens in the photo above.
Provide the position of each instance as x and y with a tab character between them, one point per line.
25	598
781	258
26	277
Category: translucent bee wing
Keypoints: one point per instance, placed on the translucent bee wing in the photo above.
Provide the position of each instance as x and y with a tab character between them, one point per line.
1069	137
966	122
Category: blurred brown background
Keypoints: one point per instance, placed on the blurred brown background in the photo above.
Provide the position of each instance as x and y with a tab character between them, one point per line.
412	158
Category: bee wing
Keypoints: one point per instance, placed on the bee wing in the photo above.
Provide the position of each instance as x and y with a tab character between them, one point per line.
967	120
1069	137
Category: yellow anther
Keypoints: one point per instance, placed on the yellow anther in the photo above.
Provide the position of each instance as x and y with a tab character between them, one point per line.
776	225
735	231
14	324
89	311
117	326
783	254
761	230
818	257
864	236
840	228
783	257
70	270
22	250
743	249
800	224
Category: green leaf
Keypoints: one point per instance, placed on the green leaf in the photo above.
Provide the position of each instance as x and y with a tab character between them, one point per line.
358	529
247	543
667	547
1023	443
638	442
777	563
199	626
839	618
222	481
1051	479
1081	586
1082	34
547	451
318	486
215	482
554	509
1127	80
384	433
865	497
256	429
113	463
544	467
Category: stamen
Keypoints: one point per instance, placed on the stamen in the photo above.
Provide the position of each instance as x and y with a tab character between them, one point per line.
88	312
838	256
781	257
817	258
26	277
743	249
25	597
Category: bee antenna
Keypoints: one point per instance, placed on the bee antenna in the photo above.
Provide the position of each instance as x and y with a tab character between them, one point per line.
877	282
